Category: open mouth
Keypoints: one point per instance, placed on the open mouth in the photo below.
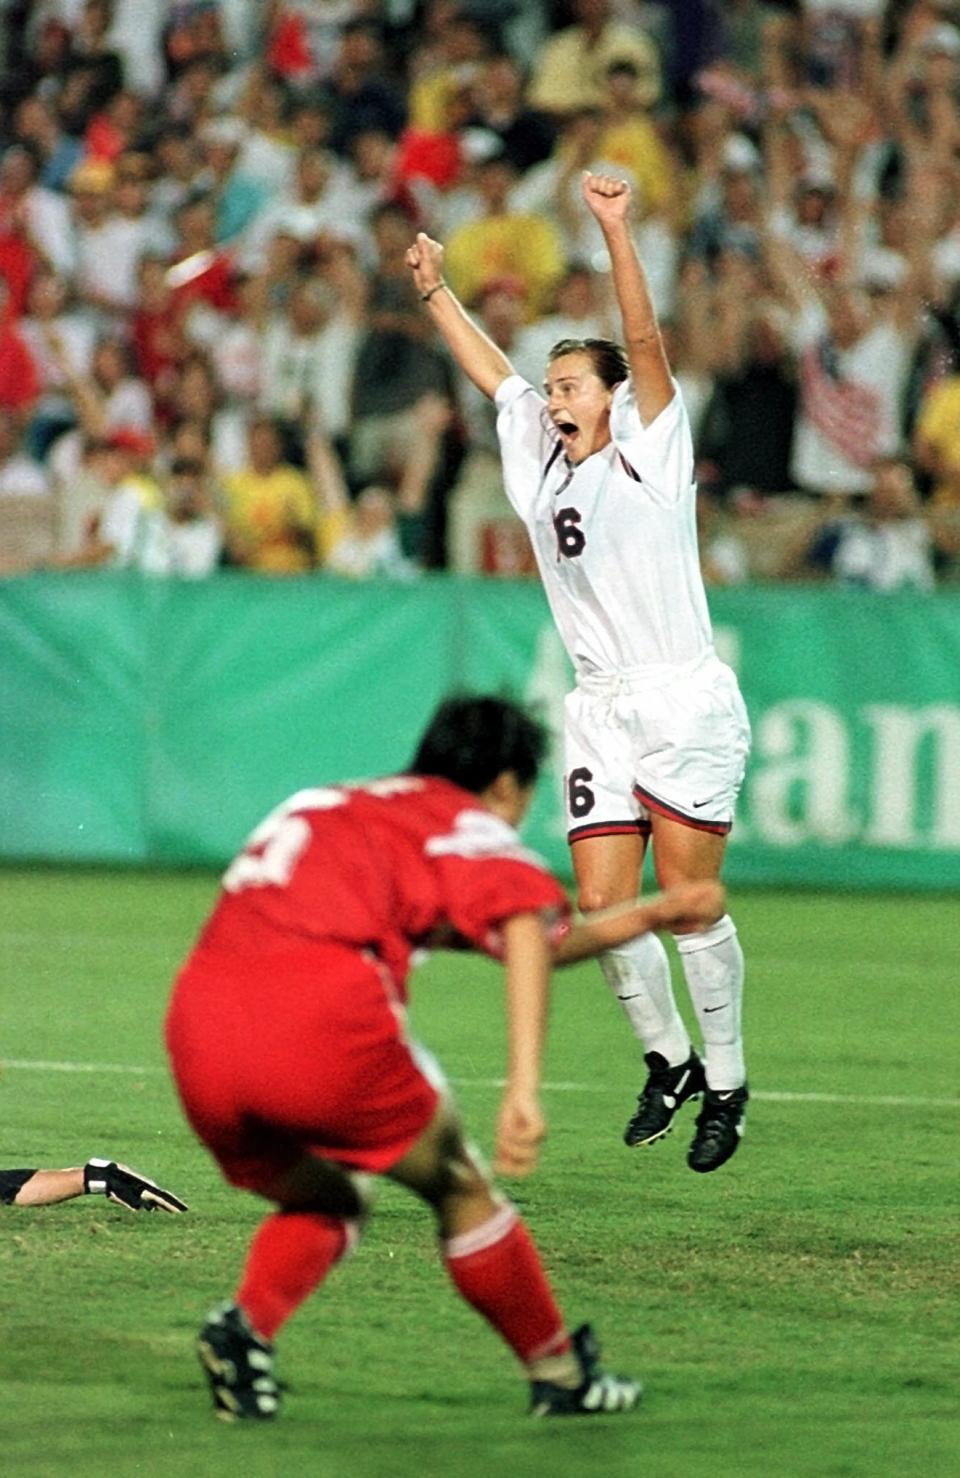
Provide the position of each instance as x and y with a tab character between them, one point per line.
568	431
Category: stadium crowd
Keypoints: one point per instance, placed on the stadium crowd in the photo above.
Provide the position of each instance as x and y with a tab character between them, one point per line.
211	348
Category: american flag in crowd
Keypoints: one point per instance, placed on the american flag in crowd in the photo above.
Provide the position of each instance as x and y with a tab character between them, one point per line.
845	413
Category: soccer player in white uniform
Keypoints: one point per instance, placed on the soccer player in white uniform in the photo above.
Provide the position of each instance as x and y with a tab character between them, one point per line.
600	469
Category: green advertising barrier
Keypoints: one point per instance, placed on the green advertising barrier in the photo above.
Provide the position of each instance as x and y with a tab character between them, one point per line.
157	721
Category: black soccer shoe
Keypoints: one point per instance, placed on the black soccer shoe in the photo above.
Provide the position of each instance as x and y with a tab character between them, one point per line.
238	1366
719	1128
664	1091
598	1394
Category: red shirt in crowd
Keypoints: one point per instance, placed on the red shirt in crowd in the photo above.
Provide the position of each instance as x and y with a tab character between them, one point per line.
19	382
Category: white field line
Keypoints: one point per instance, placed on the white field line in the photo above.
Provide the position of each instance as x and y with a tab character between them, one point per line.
775	1096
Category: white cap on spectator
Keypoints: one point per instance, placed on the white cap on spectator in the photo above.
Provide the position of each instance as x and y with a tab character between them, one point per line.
942	38
882	268
739	154
302	224
231	131
818	176
480	144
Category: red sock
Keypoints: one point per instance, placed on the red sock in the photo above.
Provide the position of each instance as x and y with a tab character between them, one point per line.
289	1257
497	1269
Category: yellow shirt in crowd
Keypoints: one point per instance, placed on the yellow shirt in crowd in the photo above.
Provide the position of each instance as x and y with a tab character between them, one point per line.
527	247
571	73
273	523
939	424
634	144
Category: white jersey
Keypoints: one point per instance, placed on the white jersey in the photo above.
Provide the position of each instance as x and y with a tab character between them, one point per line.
615	537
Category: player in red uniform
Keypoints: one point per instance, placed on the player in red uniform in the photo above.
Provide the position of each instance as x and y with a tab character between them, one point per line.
287	1039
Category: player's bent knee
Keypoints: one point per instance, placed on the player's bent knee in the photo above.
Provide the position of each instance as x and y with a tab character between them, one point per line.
441	1167
591	896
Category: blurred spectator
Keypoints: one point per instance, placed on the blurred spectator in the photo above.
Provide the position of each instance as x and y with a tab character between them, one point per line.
109	245
39	128
571	68
35	224
273	523
196	397
156	331
499	112
122	530
178	167
378	175
553	190
358	92
728	215
202	272
19	380
451	47
304	35
150	231
630	140
747	432
61	346
21	475
396	361
381	530
853	365
113	395
806	217
239	197
502	242
372	547
937	440
267	150
578	314
311	211
236	346
116	130
193	33
885	547
187	537
309	350
94	69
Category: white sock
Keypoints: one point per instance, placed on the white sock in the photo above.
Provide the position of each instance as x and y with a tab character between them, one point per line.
713	965
638	973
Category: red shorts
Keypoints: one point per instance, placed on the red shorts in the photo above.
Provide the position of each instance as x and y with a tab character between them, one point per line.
296	1052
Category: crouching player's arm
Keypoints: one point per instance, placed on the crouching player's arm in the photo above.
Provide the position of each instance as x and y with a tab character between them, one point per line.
530	948
527	954
688	904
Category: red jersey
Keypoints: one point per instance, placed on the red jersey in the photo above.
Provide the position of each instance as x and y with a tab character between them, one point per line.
385	867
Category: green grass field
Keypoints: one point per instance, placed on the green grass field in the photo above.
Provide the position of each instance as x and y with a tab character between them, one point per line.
793	1314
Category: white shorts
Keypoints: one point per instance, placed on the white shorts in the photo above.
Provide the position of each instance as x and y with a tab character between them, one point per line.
669	741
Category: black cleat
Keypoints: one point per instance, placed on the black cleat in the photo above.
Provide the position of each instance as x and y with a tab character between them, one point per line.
719	1128
664	1091
598	1394
238	1366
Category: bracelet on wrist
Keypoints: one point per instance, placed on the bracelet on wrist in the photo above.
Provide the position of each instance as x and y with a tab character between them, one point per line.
425	297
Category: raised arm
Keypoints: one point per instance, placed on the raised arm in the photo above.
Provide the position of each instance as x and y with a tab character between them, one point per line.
478	356
609	200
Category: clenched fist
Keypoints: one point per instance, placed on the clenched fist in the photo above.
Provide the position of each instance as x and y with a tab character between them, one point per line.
425	258
609	199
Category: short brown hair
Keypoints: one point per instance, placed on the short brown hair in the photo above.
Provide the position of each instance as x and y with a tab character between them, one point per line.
607	358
